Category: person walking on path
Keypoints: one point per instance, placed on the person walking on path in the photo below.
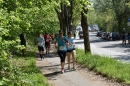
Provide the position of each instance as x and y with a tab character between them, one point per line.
47	42
110	36
40	43
123	36
23	42
128	36
61	48
71	50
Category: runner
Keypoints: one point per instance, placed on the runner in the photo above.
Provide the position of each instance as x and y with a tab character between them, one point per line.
71	50
40	43
47	42
23	42
123	36
62	42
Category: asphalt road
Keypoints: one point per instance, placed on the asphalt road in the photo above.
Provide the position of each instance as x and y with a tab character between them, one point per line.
113	49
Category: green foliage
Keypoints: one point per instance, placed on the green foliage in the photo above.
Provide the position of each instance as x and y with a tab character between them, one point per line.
16	16
113	14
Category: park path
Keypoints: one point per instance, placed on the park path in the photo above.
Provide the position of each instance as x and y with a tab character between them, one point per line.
50	68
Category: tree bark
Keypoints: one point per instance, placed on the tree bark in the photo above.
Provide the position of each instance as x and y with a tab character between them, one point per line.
84	25
61	17
65	16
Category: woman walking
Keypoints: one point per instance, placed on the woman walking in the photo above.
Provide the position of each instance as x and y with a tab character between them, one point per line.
62	43
123	36
40	43
71	50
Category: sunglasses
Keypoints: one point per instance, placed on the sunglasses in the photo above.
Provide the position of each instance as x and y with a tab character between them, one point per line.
60	33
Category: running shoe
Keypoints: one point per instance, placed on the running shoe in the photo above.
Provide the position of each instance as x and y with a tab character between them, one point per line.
62	71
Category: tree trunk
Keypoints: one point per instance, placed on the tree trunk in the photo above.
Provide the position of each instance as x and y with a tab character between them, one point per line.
65	16
61	18
84	25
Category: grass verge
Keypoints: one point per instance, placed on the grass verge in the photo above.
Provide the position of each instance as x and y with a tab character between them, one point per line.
105	66
27	74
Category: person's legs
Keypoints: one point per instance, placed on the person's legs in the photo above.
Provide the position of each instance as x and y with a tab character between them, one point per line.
63	61
68	59
74	58
62	56
23	50
125	41
46	47
110	38
122	41
49	46
128	39
40	52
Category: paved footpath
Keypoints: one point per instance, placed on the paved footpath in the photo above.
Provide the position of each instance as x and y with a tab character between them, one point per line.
50	68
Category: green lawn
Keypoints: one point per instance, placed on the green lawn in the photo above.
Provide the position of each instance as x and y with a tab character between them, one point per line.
108	67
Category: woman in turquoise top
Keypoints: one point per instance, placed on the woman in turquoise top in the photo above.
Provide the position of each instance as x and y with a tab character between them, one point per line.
62	43
71	50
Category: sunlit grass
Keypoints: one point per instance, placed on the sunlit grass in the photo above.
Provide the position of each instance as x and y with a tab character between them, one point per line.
106	66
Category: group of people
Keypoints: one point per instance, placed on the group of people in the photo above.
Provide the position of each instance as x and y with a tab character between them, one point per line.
65	47
43	41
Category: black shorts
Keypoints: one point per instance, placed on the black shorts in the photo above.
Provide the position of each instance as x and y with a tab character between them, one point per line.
40	48
123	37
62	55
70	50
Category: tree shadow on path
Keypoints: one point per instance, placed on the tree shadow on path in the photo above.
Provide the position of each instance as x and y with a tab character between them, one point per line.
51	76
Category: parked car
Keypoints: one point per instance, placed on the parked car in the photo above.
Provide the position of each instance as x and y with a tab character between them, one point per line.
99	33
115	36
81	34
104	35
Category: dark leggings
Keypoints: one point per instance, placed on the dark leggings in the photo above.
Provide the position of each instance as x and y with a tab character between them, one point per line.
62	56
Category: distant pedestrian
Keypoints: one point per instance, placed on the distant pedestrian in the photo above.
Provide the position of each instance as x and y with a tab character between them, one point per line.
40	43
110	36
23	42
123	36
128	36
61	48
71	50
47	38
107	36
